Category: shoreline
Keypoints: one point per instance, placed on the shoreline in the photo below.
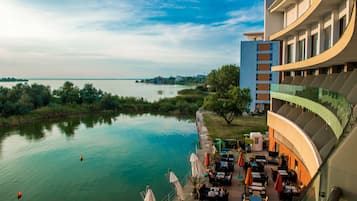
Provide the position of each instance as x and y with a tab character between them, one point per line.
205	146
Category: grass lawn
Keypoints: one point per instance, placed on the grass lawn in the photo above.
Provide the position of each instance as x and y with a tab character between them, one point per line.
218	128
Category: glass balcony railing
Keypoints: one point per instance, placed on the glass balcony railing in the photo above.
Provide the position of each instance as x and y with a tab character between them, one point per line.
321	186
318	188
333	101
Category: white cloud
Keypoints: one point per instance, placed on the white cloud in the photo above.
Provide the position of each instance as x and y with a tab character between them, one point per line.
37	42
253	14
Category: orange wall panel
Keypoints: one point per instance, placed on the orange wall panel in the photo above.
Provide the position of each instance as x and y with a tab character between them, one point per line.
302	174
263	47
264	67
264	77
263	87
263	57
262	96
271	139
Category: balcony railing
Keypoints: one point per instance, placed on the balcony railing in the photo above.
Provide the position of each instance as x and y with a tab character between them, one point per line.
318	188
336	103
323	98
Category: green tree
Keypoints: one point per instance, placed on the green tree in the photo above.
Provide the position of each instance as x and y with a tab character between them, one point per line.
227	99
68	93
220	80
229	104
89	94
40	95
109	102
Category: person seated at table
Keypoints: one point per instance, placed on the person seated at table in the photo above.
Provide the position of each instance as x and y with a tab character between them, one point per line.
211	176
221	195
202	190
211	194
224	164
228	179
202	187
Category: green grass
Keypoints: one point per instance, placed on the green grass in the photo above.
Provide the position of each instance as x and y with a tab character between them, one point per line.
218	128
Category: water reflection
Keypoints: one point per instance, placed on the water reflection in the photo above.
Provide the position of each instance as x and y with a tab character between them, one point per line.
68	127
37	131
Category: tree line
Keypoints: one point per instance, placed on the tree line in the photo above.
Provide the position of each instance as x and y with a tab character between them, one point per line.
221	94
38	99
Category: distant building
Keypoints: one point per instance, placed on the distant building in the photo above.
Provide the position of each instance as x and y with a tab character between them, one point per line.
257	57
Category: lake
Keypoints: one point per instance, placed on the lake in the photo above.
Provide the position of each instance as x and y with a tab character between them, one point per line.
150	92
122	154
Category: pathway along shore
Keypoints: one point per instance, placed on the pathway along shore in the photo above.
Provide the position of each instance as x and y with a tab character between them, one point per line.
205	146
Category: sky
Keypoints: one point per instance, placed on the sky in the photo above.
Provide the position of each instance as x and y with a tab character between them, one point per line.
122	38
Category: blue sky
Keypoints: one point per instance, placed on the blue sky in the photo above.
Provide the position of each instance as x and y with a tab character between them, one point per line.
122	38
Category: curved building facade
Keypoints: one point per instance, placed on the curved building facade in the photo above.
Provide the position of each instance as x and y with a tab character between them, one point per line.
312	117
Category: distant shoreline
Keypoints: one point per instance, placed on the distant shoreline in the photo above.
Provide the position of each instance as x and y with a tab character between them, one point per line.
12	79
85	79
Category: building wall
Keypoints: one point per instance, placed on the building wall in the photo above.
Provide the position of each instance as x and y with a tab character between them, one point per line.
302	172
257	57
273	22
329	23
324	23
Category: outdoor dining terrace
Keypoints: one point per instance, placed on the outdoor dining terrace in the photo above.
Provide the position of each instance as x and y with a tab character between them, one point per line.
266	168
256	179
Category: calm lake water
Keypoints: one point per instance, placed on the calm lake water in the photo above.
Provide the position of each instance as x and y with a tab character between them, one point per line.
150	92
122	155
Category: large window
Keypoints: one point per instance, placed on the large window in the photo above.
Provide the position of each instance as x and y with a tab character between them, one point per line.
314	44
327	38
342	25
301	50
290	53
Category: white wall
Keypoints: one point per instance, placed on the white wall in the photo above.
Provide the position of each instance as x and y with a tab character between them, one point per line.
291	14
273	22
303	6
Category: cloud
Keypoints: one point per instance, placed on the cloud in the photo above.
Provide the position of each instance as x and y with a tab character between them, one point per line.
39	40
242	16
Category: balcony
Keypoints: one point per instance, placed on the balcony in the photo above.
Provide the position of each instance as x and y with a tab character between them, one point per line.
343	51
280	5
296	140
331	107
316	10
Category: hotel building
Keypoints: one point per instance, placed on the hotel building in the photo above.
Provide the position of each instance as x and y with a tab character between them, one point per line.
257	58
312	117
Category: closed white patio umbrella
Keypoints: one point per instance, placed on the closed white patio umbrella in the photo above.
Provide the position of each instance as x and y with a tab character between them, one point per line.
149	196
174	180
214	149
197	167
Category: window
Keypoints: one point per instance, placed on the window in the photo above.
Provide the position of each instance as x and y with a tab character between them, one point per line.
276	145
301	50
314	45
290	53
327	38
342	25
310	71
298	73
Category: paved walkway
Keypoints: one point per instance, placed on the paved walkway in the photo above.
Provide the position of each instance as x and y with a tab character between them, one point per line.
237	188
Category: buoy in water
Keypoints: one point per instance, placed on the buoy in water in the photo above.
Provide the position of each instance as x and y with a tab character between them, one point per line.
19	195
81	158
